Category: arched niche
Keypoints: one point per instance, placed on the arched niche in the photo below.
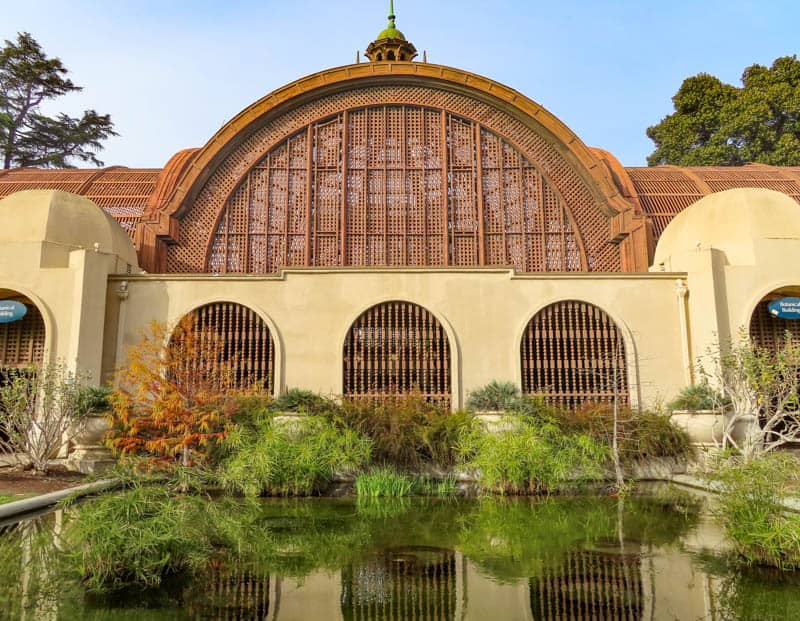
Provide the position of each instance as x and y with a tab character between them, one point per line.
396	348
22	342
234	336
770	331
573	354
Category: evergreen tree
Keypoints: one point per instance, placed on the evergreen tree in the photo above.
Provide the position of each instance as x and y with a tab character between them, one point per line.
29	138
717	124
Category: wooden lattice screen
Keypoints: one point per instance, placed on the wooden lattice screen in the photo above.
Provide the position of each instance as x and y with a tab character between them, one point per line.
407	583
22	341
396	348
589	585
243	340
395	186
572	353
770	332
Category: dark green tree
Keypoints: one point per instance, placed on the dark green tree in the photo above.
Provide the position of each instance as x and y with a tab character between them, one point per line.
717	124
29	138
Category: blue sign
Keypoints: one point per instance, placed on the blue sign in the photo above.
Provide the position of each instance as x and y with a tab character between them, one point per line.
785	308
11	311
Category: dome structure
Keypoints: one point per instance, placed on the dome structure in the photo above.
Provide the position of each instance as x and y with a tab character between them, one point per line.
733	221
62	218
391	44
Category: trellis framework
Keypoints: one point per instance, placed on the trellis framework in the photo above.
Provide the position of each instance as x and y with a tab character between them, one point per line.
22	342
237	338
573	354
396	348
395	185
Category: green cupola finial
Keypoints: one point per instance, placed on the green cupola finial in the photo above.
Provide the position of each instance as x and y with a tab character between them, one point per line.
391	44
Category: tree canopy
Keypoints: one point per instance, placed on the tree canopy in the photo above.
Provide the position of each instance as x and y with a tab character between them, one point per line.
718	124
28	137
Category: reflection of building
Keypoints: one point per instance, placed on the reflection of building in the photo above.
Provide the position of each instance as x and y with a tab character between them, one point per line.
222	594
589	585
394	225
403	583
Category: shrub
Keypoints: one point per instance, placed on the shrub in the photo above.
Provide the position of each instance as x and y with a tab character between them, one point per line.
138	537
384	481
641	435
41	410
750	507
528	458
698	397
290	459
495	396
406	431
298	400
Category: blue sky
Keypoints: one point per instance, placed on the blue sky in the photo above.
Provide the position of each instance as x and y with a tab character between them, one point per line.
172	72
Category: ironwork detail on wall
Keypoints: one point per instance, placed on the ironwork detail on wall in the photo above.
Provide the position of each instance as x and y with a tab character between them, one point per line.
395	185
396	348
573	353
240	338
22	341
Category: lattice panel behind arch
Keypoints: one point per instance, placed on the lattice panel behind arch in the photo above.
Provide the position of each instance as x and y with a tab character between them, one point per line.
237	338
396	348
771	332
365	188
198	248
22	342
572	353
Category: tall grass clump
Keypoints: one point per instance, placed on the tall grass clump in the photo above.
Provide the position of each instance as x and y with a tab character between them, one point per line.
495	396
526	457
303	401
138	537
751	507
384	482
698	397
299	458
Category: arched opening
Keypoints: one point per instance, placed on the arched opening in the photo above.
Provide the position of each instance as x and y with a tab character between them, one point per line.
775	317
573	354
396	348
380	56
390	56
235	339
22	336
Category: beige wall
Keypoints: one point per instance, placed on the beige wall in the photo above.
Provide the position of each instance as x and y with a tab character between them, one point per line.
484	312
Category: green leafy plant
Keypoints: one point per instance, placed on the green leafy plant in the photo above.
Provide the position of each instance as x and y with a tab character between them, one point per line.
383	481
495	396
698	397
298	400
527	458
298	458
751	507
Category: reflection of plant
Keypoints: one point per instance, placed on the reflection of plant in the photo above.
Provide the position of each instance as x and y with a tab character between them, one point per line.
525	457
751	507
296	458
41	410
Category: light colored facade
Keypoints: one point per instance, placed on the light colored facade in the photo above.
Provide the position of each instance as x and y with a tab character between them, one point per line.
398	225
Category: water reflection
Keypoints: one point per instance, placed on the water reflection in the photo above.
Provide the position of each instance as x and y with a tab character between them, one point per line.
656	557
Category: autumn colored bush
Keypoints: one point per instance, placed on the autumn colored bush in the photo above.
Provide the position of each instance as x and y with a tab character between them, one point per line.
175	397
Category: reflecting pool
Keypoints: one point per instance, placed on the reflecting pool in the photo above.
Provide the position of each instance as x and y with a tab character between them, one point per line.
654	555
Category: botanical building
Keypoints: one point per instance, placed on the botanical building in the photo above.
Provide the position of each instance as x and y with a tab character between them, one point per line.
397	225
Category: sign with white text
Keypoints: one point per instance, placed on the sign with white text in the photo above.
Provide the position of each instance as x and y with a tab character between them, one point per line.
785	308
12	311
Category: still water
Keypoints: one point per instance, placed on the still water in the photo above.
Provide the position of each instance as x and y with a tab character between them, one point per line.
656	555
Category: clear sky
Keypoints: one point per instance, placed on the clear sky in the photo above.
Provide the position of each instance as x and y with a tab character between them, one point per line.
171	72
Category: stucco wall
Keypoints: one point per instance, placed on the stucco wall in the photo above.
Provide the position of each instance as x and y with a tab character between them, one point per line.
484	312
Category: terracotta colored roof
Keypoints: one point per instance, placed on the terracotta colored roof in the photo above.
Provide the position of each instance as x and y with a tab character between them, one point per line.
121	192
665	191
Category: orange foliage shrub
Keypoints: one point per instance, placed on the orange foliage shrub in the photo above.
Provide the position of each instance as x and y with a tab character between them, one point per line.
175	396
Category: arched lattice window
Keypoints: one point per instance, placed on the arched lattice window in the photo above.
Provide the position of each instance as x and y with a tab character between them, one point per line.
22	341
396	348
238	339
770	332
573	353
395	186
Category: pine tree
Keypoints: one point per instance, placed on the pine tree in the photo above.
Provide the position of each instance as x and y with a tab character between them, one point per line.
28	78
